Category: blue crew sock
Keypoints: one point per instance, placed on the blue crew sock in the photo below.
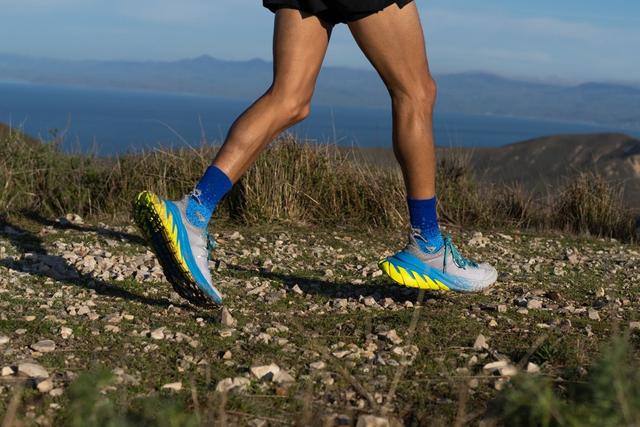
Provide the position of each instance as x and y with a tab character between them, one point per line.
423	217
206	196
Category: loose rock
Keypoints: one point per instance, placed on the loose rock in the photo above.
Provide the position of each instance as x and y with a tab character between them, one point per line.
44	346
32	370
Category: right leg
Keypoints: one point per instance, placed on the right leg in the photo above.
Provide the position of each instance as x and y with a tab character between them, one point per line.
177	230
299	46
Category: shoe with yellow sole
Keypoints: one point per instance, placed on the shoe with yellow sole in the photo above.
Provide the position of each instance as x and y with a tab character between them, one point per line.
182	249
445	269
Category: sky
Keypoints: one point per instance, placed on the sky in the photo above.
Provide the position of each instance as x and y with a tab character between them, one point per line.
561	40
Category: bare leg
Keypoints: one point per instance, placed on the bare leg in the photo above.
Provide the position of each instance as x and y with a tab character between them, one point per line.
299	45
393	42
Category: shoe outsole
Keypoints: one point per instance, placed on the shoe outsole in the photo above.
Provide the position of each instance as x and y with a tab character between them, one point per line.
151	218
410	278
405	276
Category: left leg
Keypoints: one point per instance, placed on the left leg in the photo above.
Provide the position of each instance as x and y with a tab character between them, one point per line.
393	41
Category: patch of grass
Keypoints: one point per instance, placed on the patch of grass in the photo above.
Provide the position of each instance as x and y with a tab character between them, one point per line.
609	396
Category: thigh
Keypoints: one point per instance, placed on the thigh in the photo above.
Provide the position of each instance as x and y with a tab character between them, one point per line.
300	43
393	41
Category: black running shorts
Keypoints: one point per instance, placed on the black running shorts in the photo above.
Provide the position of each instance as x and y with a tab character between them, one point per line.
335	11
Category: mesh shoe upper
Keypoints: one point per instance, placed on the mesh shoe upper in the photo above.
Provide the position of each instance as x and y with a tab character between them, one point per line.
449	261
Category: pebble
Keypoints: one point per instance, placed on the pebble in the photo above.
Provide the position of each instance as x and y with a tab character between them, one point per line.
392	336
45	386
480	343
157	334
318	365
634	325
534	304
226	319
56	392
283	377
7	370
66	332
4	339
228	384
369	301
32	370
265	372
532	368
372	421
172	386
493	367
593	314
296	289
44	346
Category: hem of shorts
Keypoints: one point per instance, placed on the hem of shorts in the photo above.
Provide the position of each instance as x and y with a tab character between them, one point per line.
284	5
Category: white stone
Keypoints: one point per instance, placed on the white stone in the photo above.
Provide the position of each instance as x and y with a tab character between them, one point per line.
534	304
532	368
372	421
56	392
508	371
593	314
4	339
283	377
369	301
45	386
226	319
296	289
44	346
228	384
318	365
634	325
265	372
392	336
7	370
32	370
480	343
493	367
172	386
66	332
157	334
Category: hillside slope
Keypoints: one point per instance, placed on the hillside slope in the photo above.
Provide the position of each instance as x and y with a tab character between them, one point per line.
542	162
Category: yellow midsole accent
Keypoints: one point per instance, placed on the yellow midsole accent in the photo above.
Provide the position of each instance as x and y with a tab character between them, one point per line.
171	228
411	279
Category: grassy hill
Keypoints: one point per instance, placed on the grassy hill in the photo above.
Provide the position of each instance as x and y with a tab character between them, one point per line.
543	163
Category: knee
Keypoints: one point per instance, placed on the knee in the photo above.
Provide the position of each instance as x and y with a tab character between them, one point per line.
420	96
292	107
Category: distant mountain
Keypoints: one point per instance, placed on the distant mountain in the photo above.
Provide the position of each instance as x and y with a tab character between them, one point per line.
543	162
615	105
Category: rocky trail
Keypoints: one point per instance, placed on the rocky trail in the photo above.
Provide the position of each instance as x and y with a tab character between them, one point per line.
311	332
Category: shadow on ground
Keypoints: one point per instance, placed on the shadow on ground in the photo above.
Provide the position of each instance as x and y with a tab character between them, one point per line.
27	242
332	289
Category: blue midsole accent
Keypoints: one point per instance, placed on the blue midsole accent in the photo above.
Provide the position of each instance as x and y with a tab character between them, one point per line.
410	263
185	250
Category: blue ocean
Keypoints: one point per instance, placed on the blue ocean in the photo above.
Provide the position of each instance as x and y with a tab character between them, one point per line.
108	122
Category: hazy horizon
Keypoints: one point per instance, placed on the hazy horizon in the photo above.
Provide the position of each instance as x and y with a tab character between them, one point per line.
572	41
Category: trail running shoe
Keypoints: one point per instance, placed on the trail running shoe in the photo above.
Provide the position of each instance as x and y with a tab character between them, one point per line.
445	269
182	249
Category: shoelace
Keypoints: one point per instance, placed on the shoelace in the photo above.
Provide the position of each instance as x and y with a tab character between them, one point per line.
458	259
196	193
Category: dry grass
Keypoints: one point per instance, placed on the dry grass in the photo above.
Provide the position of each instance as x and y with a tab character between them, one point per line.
299	182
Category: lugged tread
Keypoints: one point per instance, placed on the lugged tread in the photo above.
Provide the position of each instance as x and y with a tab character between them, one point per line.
148	217
410	279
